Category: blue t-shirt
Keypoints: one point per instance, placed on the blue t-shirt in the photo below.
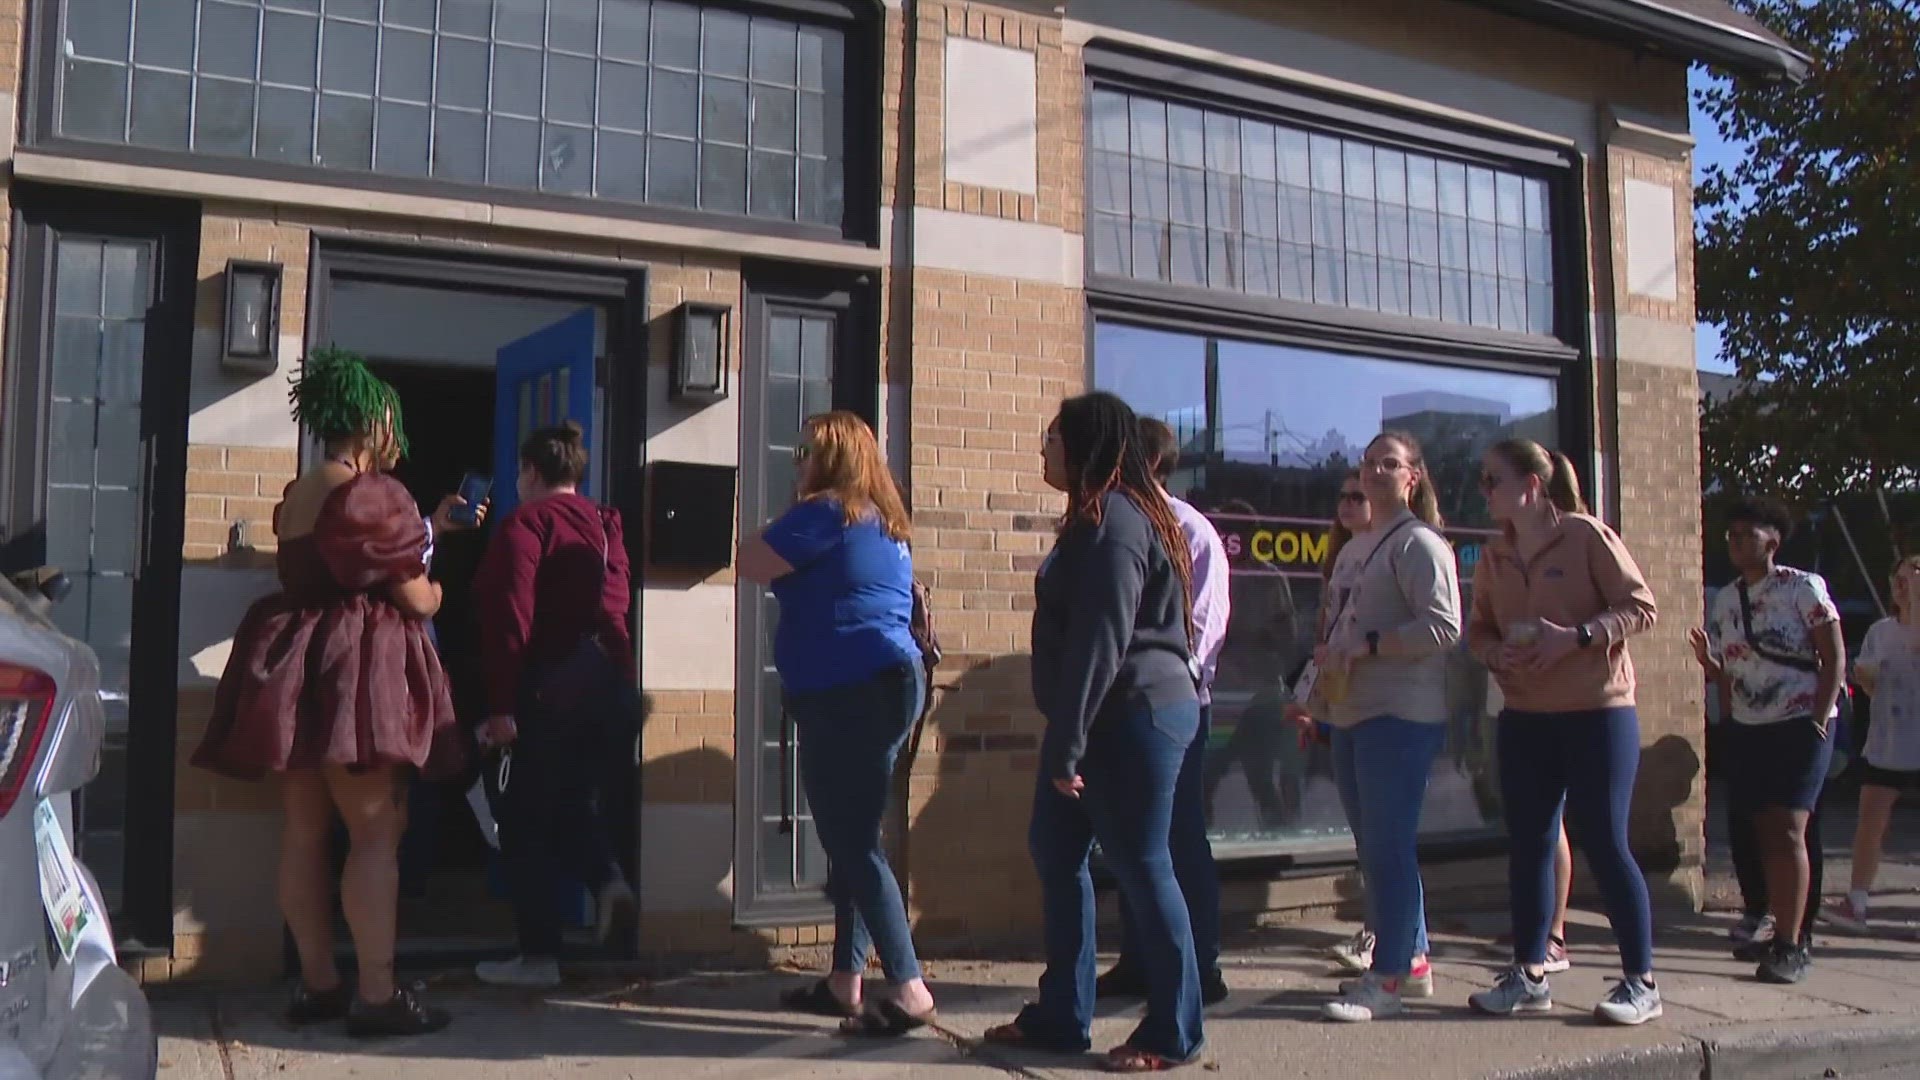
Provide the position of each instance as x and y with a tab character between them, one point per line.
846	608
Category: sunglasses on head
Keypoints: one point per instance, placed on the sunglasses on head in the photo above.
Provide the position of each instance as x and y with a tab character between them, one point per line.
802	452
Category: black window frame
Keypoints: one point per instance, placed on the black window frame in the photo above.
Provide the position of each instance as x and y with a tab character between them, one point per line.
863	21
1565	355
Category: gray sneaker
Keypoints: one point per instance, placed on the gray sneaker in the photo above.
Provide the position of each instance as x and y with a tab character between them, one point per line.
1516	992
1631	1002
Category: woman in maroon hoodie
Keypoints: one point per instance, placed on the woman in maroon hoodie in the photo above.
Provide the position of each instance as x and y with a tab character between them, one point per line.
553	593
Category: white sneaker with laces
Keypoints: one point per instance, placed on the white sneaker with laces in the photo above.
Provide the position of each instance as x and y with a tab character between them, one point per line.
525	972
1355	954
1516	992
1367	999
1631	1002
1845	914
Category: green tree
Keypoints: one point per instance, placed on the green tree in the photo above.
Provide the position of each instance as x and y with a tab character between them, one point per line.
1809	258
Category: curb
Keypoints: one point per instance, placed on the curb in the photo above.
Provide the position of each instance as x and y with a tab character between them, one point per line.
1789	1050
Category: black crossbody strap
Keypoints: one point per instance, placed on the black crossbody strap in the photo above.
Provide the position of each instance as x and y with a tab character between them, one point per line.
1798	663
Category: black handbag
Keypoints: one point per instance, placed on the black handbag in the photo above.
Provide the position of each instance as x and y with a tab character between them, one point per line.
587	672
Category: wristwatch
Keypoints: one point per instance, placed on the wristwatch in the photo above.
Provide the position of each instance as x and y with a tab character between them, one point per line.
1373	643
1586	634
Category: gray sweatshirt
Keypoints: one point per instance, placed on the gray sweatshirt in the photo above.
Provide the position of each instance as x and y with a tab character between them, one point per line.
1407	589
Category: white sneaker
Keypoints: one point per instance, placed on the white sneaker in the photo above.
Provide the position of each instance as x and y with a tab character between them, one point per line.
1368	999
1631	1002
1418	984
1843	913
526	972
1354	954
613	906
1514	993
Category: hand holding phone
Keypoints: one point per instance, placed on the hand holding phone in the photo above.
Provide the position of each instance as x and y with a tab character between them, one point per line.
475	489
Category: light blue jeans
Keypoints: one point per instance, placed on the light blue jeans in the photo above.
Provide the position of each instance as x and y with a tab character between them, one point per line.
1381	767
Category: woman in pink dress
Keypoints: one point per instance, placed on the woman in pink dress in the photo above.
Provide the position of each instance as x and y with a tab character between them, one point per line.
334	686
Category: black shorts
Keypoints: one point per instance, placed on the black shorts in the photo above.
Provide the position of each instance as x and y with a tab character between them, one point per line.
1778	766
1897	779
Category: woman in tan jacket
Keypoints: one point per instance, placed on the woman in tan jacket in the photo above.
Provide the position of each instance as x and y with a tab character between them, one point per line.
1555	598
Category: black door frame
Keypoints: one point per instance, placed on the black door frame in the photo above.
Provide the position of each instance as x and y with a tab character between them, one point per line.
623	288
852	298
40	212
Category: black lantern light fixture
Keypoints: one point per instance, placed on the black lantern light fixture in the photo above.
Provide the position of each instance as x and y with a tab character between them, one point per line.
251	340
700	361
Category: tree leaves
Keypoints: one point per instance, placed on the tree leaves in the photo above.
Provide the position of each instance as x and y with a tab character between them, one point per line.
1809	257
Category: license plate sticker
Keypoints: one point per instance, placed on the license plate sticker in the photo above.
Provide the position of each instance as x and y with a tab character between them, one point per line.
61	889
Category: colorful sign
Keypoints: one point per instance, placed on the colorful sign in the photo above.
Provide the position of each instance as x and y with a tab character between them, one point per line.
1284	544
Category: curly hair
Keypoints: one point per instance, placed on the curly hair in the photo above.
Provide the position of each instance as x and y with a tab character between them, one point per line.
335	396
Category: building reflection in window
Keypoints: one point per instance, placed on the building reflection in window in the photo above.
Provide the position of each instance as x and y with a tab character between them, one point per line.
1267	432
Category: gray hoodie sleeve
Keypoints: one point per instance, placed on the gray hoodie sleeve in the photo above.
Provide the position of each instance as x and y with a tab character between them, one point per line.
1431	589
1107	568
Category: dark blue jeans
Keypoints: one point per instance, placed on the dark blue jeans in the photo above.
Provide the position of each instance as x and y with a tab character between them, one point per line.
553	830
1581	764
849	737
1193	865
1133	762
1382	766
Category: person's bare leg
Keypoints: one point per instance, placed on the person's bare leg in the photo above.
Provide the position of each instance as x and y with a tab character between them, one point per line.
374	805
1562	883
305	879
1783	847
1876	810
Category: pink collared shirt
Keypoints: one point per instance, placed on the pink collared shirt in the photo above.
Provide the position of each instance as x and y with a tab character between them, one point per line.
1211	606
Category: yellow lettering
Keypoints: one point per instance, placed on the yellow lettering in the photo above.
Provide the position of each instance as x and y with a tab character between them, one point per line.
1314	549
1263	538
1288	547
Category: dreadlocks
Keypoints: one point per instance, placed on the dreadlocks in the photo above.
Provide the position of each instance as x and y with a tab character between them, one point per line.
336	397
1101	437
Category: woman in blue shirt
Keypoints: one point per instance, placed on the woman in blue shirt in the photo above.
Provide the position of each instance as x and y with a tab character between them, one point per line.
850	671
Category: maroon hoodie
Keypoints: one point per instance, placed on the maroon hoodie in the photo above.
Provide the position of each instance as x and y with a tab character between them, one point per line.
541	586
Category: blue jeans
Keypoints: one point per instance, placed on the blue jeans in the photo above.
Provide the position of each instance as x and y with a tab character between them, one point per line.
1381	767
849	738
1133	762
1193	865
1582	763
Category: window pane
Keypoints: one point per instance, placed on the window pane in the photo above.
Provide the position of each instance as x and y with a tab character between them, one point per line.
570	90
223	117
1186	135
775	52
1256	150
572	26
1147	121
413	13
620	168
463	73
522	22
676	35
771	190
459	145
516	80
813	125
672	172
676	104
723	109
98	28
471	17
347	54
773	118
723	46
1110	245
229	39
403	141
623	29
162	109
164	35
289	49
346	132
513	152
286	125
95	106
723	179
1189	250
406	65
623	96
566	160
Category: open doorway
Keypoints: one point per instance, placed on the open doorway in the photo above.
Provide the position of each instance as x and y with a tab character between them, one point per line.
441	346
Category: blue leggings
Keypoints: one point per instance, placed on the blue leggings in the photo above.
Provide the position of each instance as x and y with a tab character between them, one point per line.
1585	762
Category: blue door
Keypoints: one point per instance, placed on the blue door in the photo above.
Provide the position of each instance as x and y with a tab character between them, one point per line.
543	379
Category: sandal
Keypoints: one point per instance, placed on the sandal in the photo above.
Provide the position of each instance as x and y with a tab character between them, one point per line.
886	1020
1014	1036
818	998
1132	1059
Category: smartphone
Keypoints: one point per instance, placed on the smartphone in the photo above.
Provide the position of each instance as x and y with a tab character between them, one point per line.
474	488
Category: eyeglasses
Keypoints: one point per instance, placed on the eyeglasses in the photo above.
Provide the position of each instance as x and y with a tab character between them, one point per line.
1488	481
1354	497
1383	464
802	452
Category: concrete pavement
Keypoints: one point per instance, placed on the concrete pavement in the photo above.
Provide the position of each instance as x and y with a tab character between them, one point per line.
1857	1014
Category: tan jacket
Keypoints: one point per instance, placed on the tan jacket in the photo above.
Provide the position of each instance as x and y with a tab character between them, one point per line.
1583	576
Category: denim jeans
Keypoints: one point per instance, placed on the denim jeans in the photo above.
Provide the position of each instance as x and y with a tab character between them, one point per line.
1381	767
1581	764
552	827
1133	762
1193	865
849	738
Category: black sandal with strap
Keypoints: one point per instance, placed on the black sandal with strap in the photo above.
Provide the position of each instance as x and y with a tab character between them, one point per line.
886	1020
818	998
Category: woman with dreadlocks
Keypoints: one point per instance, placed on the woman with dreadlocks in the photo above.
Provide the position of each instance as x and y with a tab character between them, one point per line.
1114	676
334	686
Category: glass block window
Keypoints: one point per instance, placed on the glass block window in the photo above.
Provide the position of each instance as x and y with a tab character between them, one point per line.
1201	197
649	101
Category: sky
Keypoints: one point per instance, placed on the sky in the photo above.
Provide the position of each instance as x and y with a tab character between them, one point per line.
1709	149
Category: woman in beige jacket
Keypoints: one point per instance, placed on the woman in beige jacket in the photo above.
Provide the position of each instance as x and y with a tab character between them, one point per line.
1555	598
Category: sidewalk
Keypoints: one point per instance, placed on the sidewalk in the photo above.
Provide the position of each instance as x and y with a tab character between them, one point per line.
1857	1014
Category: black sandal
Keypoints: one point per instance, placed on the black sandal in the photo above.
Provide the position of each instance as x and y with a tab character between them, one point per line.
818	998
886	1020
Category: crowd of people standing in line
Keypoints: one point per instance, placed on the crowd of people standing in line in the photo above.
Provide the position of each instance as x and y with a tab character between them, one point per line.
335	686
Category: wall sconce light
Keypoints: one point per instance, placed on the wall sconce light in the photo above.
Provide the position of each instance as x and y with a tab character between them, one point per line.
252	335
699	369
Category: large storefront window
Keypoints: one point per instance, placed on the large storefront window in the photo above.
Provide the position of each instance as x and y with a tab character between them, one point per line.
644	101
1267	432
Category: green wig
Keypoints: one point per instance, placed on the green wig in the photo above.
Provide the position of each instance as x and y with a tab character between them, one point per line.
336	397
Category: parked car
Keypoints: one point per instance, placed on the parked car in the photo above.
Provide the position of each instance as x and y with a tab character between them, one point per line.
67	1010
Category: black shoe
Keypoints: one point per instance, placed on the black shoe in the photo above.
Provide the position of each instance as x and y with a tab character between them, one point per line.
317	1007
1213	988
404	1015
1753	952
1122	980
1786	965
